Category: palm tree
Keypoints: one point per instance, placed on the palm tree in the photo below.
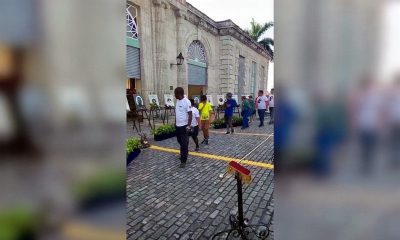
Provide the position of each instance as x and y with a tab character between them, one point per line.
257	30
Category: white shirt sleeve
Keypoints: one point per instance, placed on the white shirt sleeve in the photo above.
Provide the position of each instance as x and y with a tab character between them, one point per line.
188	105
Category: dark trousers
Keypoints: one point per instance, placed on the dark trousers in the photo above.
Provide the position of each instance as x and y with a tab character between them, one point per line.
228	122
261	114
195	134
183	140
271	115
246	115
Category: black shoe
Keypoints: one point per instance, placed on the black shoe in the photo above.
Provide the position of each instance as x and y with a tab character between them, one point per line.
227	132
261	125
206	142
203	141
197	149
182	165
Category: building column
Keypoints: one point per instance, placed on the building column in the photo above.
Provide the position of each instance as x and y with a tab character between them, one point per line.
180	42
161	63
227	70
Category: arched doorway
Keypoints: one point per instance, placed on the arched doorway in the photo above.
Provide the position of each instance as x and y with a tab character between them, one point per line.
197	69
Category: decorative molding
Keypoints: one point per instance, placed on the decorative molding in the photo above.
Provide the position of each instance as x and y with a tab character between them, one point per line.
157	2
161	3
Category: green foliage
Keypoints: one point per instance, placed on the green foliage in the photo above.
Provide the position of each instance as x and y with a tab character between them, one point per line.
257	30
19	223
165	129
153	106
132	144
237	120
219	122
110	183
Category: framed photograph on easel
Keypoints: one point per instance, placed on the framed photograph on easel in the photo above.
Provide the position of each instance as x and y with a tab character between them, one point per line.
153	99
169	100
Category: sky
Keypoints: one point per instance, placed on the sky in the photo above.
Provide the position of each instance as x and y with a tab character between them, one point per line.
241	13
390	61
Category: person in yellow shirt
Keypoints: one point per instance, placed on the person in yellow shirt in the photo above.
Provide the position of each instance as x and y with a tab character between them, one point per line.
206	113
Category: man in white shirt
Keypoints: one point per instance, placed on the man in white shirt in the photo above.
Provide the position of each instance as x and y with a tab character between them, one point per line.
261	105
183	118
195	124
271	106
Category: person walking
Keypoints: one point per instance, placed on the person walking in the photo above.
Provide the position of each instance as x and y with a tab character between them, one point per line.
183	120
195	124
205	110
246	108
271	106
261	105
229	105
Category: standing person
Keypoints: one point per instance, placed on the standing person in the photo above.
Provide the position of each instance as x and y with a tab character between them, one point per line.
246	108
195	124
253	108
271	106
261	105
230	105
183	118
205	110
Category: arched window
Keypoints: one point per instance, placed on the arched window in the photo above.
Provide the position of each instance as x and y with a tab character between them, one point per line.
131	21
197	64
196	52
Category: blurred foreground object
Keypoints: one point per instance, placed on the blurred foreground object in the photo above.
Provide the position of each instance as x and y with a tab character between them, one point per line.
62	118
336	121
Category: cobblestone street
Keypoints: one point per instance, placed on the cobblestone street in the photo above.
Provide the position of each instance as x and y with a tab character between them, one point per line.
167	202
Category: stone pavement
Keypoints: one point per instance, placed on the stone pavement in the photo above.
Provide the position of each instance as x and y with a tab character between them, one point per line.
167	202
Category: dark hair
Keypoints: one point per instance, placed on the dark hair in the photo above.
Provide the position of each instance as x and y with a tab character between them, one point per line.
261	91
192	101
203	98
180	91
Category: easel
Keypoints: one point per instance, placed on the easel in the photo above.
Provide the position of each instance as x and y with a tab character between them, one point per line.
237	110
132	113
239	225
168	112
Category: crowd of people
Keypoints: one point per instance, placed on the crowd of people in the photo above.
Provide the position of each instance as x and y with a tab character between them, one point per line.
191	117
250	108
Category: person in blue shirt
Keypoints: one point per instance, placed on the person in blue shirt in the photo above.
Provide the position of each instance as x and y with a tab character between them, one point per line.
230	105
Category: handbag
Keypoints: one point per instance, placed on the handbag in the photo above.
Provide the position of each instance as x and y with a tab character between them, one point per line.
190	131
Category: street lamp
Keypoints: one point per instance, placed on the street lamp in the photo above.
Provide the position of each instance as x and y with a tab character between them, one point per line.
179	60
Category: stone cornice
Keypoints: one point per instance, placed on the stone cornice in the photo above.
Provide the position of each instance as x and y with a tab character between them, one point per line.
222	28
161	3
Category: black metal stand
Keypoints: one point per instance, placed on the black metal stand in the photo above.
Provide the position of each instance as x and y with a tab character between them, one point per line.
239	227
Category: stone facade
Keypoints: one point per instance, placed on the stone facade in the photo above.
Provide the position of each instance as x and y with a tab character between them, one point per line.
167	28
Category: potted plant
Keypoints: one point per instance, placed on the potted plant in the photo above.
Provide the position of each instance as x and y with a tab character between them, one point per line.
100	188
20	223
133	146
164	132
219	123
237	121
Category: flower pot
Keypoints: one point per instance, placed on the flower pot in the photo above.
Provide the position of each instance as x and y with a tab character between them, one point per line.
237	124
219	126
132	156
164	136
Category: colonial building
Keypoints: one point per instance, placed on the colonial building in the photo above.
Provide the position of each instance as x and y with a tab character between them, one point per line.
219	57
